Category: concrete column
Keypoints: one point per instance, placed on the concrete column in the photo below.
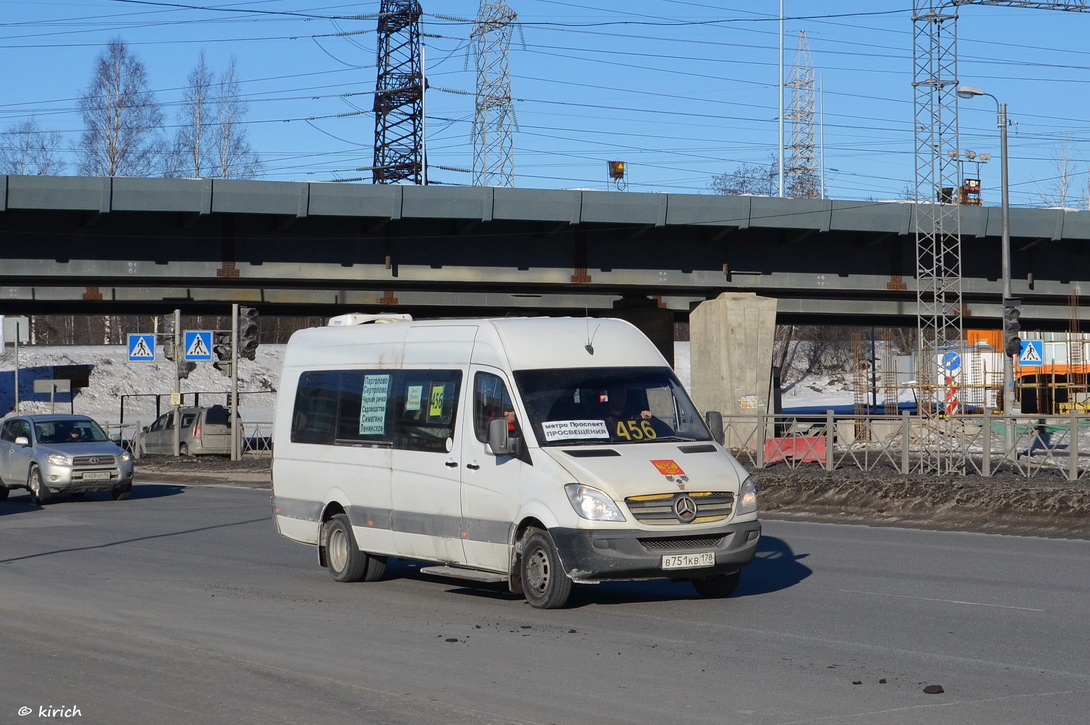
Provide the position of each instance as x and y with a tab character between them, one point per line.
731	354
654	321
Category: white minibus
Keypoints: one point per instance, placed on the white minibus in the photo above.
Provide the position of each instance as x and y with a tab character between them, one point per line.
539	452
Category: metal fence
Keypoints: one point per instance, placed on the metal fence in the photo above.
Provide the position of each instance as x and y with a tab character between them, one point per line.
984	445
256	439
138	410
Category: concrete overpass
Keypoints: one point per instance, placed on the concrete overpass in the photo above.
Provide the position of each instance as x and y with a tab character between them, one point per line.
89	245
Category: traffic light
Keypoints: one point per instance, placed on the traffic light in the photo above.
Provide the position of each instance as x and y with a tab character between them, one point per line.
247	332
185	367
222	350
1012	343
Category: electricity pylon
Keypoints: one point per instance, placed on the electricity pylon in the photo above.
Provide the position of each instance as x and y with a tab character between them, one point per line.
801	173
494	117
399	95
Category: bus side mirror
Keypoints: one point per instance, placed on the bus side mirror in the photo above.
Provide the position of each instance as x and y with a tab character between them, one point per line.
714	419
498	439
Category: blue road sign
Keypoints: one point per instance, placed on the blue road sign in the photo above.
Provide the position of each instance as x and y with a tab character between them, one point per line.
951	361
141	348
1032	353
197	345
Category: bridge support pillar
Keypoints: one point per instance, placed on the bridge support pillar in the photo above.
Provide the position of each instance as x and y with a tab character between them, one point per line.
654	321
731	356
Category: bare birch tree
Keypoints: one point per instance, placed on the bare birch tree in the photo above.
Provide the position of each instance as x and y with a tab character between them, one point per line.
235	157
28	149
194	152
1059	190
123	122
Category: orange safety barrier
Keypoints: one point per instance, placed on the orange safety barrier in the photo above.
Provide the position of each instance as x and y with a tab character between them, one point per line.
801	449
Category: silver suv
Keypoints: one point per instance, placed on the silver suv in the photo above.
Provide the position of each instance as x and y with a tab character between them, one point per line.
202	431
48	454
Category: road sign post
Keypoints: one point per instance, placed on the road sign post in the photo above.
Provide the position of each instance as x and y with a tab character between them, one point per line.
43	385
1031	353
16	330
141	348
176	348
236	452
197	346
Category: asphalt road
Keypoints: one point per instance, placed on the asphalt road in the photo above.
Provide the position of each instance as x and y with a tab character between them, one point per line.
183	605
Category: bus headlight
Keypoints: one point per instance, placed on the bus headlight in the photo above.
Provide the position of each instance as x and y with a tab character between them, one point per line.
747	497
592	504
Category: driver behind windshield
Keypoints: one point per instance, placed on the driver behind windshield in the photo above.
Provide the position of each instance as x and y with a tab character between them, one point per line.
630	422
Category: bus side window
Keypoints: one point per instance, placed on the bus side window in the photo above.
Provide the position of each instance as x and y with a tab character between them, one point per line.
490	400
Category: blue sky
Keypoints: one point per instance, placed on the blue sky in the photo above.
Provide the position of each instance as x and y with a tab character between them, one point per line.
681	90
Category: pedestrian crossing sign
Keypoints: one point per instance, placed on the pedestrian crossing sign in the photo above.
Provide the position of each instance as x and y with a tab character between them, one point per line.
197	345
141	348
1032	353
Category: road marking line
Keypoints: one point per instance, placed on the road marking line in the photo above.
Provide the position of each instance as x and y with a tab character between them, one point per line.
944	601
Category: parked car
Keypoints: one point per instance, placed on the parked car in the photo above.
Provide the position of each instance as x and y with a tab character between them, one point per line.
48	454
202	431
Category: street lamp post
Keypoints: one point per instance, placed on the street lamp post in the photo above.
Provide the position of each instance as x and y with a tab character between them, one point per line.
1010	305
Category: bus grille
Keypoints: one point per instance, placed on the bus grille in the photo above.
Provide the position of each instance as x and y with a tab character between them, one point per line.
658	509
679	543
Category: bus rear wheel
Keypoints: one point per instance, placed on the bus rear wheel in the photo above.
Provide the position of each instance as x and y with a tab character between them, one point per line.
343	557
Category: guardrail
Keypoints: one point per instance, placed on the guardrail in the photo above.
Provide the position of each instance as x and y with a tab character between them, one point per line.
257	438
984	445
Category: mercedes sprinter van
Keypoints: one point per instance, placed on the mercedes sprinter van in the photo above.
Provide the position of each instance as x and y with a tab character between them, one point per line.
539	452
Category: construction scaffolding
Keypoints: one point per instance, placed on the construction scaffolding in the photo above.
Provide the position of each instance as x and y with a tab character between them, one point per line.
938	222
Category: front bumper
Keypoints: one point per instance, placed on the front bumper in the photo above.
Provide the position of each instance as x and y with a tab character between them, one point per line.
603	555
78	479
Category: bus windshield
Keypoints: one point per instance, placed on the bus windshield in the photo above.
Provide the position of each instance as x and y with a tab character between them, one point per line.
581	406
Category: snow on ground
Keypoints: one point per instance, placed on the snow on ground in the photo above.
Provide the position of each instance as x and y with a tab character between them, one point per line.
818	391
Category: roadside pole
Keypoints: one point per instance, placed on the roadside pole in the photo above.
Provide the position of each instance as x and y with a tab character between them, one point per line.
12	330
176	398
16	367
235	442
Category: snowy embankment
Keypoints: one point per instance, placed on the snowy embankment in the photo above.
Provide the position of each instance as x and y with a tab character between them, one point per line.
133	392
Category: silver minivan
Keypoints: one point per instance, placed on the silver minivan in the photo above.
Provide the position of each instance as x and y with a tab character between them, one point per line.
202	431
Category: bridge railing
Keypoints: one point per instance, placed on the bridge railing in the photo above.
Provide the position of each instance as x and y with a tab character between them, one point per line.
985	445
